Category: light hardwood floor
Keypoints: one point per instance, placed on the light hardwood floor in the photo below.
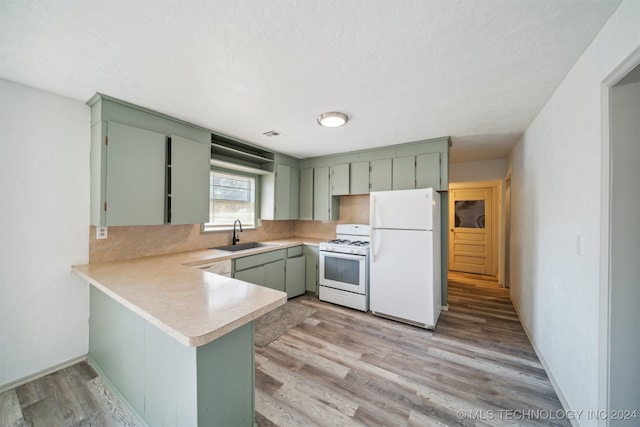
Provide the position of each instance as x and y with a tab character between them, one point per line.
343	367
74	396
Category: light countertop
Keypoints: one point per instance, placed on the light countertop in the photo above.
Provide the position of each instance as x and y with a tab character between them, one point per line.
193	306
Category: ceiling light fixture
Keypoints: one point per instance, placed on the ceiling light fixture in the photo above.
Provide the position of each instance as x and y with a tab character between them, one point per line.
332	119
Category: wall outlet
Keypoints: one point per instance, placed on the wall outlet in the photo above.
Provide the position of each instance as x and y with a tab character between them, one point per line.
101	233
259	223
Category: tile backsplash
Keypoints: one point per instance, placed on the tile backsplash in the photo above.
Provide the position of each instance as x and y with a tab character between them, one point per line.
139	241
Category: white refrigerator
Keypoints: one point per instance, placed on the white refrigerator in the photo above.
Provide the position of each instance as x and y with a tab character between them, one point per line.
405	283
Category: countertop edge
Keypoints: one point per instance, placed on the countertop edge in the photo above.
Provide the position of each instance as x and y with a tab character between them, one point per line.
198	257
182	339
213	335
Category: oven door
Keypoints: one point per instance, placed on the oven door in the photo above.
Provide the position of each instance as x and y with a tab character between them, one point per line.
343	271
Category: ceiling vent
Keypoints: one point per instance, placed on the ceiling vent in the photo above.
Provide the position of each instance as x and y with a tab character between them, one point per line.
271	133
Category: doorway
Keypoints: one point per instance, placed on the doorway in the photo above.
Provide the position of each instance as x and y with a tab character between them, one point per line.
621	246
474	219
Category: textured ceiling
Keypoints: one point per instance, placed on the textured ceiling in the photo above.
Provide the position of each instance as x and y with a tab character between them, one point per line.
403	71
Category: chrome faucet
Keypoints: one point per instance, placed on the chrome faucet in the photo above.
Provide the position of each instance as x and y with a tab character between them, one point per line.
235	239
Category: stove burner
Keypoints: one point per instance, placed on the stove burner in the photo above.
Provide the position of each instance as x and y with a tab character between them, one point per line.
346	242
339	241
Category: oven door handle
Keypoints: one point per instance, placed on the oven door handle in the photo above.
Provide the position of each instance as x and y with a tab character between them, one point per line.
342	255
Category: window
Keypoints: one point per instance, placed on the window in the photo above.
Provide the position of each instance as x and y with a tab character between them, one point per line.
231	196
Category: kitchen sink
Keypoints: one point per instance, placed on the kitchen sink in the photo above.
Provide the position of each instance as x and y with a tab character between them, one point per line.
242	246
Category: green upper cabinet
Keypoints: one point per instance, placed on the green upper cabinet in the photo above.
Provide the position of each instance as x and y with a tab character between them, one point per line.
325	206
306	194
146	168
136	180
274	197
429	172
418	164
359	174
380	175
294	194
321	193
340	179
404	173
282	192
279	190
189	183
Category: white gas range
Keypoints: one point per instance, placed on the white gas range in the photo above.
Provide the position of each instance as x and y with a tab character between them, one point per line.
344	267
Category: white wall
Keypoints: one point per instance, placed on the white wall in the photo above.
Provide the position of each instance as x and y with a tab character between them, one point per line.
44	223
556	194
481	170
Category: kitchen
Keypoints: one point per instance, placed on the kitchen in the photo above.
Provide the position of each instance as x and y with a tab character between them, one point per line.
58	300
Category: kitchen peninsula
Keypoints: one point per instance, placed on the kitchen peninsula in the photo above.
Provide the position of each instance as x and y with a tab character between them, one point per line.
177	341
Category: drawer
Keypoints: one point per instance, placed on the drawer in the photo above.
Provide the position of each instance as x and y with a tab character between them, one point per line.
259	259
295	251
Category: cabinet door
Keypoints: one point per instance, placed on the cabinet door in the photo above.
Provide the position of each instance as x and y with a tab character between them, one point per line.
311	273
321	193
189	184
295	276
282	183
305	195
359	178
340	180
274	275
253	275
294	191
136	162
404	173
428	171
380	177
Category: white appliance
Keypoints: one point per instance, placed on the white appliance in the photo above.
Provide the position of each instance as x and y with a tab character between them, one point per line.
405	256
344	267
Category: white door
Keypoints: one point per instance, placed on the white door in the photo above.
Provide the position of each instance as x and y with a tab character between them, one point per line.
402	209
401	276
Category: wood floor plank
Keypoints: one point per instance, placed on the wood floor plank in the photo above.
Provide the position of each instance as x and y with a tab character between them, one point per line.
477	359
10	412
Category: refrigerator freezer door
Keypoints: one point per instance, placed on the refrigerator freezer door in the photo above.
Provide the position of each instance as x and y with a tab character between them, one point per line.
402	279
403	209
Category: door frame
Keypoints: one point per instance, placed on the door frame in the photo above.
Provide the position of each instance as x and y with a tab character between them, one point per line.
605	309
497	250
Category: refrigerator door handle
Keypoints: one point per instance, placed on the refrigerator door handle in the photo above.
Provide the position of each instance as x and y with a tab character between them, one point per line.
372	205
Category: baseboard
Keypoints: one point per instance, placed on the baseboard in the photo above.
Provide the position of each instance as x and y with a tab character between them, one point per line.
545	365
445	307
114	390
42	373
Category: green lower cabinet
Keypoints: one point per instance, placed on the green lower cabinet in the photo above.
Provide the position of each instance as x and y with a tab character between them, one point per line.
271	275
253	275
274	275
226	380
165	382
311	273
295	276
